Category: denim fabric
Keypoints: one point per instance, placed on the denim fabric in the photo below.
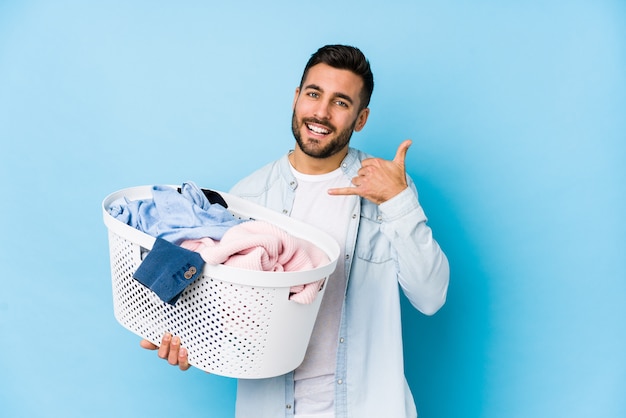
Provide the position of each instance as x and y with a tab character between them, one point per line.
168	269
175	216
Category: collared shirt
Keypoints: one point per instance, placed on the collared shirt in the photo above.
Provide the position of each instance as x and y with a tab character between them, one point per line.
388	247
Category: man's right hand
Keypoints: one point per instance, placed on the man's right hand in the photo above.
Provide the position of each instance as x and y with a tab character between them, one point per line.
169	350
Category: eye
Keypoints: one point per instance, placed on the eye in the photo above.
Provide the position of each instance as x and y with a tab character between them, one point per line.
341	103
313	94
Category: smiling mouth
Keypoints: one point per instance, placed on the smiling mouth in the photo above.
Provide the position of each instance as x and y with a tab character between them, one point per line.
317	129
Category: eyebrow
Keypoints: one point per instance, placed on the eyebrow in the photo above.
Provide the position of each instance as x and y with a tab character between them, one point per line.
340	95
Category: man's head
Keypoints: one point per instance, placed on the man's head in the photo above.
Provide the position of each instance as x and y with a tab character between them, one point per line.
344	57
331	102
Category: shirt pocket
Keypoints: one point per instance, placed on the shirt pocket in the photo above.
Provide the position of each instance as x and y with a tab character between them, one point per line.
371	244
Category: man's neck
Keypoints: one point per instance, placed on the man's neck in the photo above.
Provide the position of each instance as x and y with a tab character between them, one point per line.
310	165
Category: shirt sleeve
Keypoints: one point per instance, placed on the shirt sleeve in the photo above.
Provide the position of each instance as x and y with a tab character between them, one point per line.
423	270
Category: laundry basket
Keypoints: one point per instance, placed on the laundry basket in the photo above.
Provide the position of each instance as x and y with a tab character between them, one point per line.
233	322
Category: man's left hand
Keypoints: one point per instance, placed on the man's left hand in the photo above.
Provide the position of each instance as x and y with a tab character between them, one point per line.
379	180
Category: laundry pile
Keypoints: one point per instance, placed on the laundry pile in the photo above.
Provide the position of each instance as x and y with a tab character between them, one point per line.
193	226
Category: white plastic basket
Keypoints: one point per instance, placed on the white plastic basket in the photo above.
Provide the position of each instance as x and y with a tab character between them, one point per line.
233	322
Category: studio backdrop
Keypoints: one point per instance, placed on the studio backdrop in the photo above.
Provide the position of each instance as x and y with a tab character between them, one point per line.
516	112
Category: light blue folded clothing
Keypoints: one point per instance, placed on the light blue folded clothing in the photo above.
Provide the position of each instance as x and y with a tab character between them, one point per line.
175	216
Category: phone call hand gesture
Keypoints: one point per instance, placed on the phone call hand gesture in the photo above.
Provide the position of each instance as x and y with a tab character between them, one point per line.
379	180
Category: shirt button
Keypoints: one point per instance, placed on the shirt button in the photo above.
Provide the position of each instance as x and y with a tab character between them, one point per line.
347	256
380	218
285	211
341	340
288	406
189	273
354	216
339	382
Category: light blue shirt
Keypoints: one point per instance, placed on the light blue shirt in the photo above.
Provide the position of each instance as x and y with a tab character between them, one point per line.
175	216
387	245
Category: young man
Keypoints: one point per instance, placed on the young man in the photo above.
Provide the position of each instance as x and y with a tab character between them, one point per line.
354	363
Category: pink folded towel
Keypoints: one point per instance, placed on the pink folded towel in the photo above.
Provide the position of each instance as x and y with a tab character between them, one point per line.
259	245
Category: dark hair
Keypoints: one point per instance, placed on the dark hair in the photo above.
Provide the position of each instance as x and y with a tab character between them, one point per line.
345	57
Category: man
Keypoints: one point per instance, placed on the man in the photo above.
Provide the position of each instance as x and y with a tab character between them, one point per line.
354	363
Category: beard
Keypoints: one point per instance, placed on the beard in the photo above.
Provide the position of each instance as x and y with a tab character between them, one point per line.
313	147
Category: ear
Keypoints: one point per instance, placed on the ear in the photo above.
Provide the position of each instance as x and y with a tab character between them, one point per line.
295	98
361	119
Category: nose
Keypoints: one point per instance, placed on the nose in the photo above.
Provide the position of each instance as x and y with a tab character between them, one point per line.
322	110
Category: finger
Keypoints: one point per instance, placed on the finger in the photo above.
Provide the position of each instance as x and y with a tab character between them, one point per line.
183	363
172	358
164	349
343	191
148	345
401	152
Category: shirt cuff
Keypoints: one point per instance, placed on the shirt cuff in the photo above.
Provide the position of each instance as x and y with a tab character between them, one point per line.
400	205
168	269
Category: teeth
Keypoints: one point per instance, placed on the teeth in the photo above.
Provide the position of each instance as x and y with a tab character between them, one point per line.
317	129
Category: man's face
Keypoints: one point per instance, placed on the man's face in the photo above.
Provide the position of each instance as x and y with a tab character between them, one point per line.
326	111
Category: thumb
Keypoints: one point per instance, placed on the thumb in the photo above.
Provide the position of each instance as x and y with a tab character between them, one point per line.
401	152
147	345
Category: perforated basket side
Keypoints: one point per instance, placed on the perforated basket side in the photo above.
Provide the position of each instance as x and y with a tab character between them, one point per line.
226	326
228	329
134	305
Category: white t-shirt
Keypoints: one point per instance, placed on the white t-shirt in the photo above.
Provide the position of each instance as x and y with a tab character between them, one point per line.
315	378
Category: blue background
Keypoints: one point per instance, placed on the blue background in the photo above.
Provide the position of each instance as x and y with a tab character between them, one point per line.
517	112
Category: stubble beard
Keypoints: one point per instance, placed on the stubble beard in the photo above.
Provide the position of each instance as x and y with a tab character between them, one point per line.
312	147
